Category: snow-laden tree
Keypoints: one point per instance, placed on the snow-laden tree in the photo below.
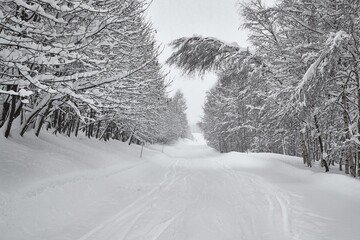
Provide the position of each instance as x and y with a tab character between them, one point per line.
309	40
83	65
303	78
174	123
44	54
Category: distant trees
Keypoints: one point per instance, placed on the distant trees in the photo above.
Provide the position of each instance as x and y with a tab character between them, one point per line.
298	93
174	122
73	66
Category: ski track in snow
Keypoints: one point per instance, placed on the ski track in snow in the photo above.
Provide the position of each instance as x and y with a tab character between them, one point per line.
189	192
220	204
120	225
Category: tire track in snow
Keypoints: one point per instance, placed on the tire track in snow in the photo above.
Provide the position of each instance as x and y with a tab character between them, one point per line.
160	228
124	222
281	207
273	203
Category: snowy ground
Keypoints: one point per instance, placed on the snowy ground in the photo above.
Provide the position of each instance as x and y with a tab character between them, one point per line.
59	188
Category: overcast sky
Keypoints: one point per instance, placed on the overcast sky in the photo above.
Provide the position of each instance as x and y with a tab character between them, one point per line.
178	18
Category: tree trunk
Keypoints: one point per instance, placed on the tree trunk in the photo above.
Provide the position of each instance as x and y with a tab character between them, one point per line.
42	119
66	121
34	113
323	161
132	135
72	126
19	109
91	125
346	118
60	121
306	157
283	145
341	160
77	127
56	116
12	112
357	77
316	151
6	107
28	121
98	130
103	134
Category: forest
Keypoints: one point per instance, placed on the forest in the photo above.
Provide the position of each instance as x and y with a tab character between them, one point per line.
85	66
296	91
92	67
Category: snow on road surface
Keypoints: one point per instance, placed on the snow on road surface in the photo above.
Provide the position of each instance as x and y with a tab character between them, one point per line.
86	190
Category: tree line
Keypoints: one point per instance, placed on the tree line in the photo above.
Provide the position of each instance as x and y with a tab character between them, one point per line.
296	91
86	67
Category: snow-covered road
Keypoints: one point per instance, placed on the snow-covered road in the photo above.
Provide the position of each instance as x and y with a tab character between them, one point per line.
204	195
207	200
189	192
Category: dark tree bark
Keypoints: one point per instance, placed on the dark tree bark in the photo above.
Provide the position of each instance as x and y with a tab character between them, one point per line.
77	127
357	161
42	119
29	121
323	161
90	129
12	112
6	107
305	154
348	153
98	130
56	116
341	160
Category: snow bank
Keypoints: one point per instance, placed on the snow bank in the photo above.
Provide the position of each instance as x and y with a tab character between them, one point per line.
51	183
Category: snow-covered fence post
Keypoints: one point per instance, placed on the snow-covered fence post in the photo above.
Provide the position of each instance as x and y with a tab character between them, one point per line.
142	148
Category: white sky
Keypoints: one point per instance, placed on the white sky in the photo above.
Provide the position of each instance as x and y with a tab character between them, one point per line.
183	18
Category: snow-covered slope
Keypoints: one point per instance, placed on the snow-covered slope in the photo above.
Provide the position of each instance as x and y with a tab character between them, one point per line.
60	188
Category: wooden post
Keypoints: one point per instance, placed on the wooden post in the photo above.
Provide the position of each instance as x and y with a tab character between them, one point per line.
142	148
